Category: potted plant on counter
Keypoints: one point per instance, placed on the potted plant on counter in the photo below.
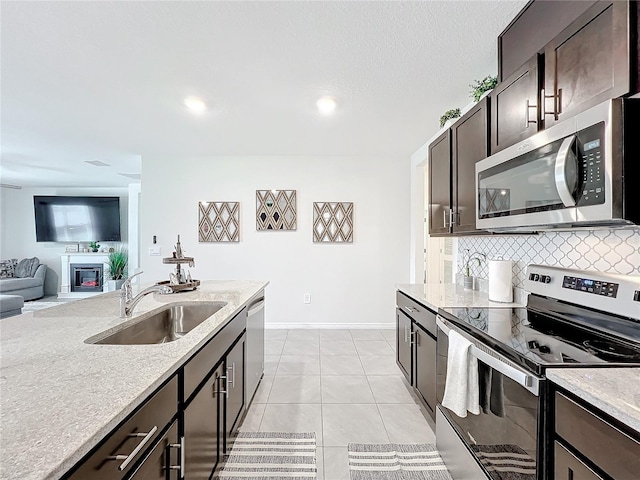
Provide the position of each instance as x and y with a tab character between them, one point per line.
117	268
94	246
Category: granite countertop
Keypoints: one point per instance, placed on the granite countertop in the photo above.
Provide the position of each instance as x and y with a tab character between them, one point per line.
59	396
443	295
615	391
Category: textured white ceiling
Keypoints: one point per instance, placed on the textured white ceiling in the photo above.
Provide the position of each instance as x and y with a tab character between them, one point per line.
105	81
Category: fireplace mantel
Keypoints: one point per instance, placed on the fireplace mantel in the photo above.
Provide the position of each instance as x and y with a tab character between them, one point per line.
66	259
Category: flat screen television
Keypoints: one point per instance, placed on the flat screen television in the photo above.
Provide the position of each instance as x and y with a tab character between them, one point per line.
77	219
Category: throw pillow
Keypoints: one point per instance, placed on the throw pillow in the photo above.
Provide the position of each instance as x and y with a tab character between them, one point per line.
25	267
8	268
35	263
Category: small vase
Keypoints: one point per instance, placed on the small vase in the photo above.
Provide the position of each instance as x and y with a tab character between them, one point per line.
468	282
94	250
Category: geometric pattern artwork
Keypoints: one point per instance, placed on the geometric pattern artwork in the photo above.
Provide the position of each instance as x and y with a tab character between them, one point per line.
333	222
276	210
218	221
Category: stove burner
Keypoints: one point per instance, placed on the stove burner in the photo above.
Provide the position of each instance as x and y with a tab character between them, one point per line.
611	349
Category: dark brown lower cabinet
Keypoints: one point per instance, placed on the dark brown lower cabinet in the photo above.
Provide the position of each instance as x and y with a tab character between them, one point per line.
163	463
589	446
202	428
416	348
235	386
424	366
123	449
403	343
569	467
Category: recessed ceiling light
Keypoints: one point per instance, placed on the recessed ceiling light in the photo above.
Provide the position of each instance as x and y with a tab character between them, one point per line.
195	104
326	105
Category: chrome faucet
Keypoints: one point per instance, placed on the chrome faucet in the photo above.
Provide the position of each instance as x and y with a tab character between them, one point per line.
128	301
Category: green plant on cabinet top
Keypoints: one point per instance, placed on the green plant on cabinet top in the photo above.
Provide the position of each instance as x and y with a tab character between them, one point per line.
478	87
448	115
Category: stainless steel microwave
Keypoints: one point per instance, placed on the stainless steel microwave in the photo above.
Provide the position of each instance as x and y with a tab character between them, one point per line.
582	172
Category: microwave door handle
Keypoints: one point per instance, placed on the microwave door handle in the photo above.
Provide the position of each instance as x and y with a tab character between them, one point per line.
560	172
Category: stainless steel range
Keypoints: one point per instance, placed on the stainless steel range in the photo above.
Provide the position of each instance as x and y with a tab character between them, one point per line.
572	319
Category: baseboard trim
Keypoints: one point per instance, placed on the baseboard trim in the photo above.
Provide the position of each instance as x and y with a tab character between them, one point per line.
337	326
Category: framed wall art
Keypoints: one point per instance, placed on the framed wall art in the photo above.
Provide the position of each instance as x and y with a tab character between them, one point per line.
333	222
276	210
218	221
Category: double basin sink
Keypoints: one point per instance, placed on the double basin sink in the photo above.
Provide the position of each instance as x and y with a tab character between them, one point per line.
167	325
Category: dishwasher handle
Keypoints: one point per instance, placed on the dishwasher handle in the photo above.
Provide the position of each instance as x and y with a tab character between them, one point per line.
495	360
255	307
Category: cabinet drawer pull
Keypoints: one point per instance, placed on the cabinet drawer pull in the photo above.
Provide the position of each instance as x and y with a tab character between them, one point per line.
128	458
411	309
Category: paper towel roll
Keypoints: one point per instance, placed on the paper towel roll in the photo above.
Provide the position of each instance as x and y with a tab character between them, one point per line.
500	276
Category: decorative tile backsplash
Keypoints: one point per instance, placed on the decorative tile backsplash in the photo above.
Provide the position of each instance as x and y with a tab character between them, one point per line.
610	250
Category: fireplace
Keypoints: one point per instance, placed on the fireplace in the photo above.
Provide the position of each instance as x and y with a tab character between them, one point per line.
86	277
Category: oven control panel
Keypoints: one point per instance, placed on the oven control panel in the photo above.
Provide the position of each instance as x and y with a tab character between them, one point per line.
597	287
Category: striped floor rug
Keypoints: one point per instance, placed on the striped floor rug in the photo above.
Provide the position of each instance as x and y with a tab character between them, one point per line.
396	462
271	456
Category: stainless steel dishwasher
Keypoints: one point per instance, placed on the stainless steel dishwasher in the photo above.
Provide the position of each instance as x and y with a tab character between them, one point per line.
254	362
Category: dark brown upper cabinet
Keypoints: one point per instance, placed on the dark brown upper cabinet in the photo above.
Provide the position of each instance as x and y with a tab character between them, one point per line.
536	25
590	61
440	184
514	107
452	160
469	145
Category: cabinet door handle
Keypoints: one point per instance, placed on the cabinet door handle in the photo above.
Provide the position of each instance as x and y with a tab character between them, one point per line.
180	468
416	337
526	114
128	458
216	392
406	334
413	336
556	103
444	219
233	373
226	382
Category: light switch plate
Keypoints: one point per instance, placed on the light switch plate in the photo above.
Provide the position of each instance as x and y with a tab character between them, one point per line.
154	251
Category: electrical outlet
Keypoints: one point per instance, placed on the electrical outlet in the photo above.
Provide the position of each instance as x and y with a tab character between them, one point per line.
307	298
154	251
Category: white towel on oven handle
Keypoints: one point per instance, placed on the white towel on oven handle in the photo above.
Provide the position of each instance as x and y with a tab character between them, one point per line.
461	392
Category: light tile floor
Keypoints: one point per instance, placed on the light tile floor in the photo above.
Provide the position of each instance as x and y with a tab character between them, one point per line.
342	384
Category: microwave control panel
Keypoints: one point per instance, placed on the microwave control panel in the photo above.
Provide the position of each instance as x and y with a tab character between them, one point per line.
591	187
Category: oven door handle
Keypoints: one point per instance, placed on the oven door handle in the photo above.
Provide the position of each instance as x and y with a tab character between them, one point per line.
521	377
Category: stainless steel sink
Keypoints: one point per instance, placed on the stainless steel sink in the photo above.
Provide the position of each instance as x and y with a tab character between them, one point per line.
167	325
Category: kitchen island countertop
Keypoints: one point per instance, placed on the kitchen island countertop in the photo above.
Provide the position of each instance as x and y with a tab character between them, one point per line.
60	396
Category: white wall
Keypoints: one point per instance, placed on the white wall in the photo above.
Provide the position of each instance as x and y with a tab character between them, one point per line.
350	284
19	230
